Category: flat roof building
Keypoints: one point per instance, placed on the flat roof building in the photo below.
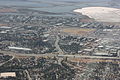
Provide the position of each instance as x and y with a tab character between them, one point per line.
7	74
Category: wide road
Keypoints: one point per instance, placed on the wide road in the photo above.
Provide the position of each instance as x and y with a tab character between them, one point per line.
57	45
92	57
27	55
57	55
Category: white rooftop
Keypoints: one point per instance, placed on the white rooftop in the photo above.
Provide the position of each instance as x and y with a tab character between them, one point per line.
20	48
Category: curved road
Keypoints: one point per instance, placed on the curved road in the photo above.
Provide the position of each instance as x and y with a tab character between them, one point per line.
57	45
7	61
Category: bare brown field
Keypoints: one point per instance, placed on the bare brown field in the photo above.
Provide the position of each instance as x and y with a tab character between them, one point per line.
21	57
6	10
3	25
78	31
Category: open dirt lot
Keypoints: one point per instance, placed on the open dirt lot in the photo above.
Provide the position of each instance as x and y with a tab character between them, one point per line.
78	31
7	10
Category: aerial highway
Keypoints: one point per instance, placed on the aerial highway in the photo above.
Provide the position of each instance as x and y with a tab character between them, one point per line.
57	55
